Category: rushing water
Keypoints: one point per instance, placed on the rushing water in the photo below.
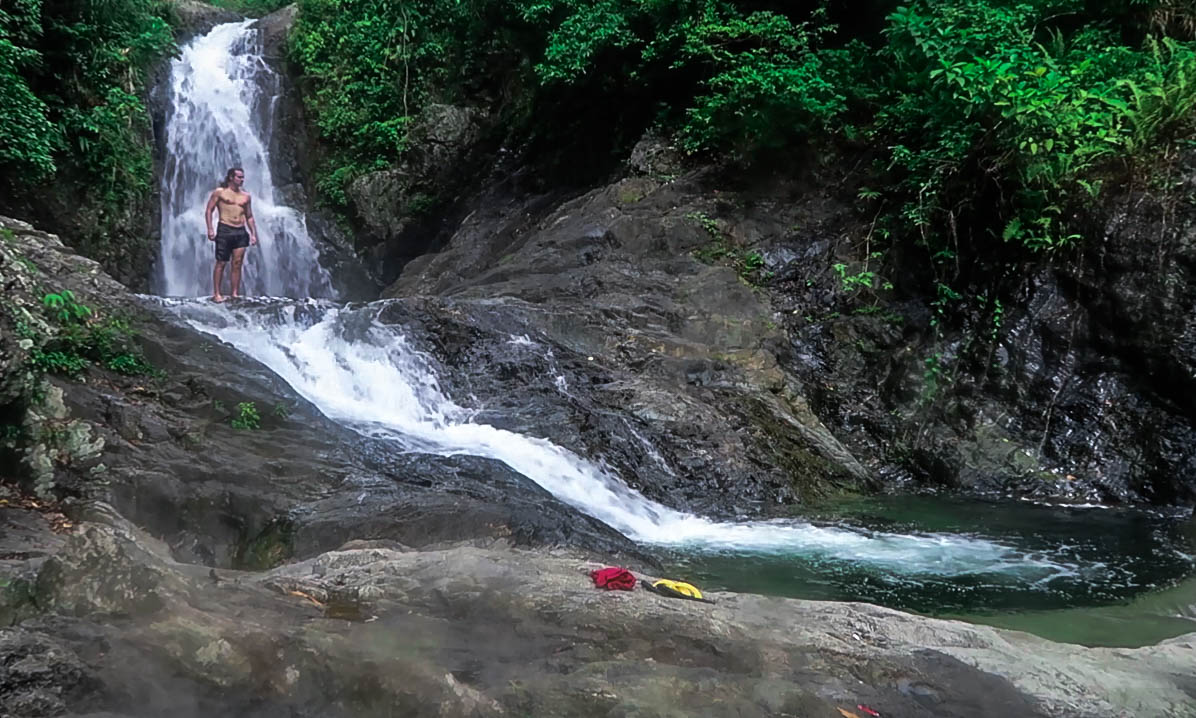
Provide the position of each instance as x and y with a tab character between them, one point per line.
964	557
367	375
222	97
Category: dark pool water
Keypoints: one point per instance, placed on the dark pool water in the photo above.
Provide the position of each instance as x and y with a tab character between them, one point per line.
1086	575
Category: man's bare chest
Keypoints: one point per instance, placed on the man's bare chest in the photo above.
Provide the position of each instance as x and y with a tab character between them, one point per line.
232	199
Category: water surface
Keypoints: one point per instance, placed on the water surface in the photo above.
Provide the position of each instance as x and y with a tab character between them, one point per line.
1095	576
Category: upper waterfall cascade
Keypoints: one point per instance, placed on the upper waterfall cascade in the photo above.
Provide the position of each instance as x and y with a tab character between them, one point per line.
222	101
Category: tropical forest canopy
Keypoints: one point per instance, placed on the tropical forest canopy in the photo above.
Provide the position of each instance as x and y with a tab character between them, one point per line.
1026	104
71	89
1000	117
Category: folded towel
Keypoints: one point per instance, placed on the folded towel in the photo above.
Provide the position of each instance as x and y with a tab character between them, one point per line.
613	579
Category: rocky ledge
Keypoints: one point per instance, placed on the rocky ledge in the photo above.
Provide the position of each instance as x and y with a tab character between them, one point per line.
378	629
163	450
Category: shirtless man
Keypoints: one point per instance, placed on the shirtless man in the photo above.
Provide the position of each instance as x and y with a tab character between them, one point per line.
235	231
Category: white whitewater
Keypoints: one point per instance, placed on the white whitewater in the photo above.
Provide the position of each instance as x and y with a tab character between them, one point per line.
379	385
366	375
222	97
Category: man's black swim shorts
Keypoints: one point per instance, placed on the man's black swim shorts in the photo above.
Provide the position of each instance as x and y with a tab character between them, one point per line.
229	238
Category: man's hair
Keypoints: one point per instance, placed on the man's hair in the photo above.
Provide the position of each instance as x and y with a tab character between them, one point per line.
228	176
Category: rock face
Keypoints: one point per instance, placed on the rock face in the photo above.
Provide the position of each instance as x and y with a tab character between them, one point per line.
39	435
1066	383
667	366
196	18
396	207
297	485
1076	385
39	676
466	631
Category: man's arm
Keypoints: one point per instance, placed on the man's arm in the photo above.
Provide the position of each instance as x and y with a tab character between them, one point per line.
207	215
249	221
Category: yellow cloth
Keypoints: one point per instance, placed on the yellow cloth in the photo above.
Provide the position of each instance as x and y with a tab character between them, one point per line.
681	587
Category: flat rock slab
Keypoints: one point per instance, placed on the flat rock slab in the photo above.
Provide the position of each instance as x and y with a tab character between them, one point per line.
471	630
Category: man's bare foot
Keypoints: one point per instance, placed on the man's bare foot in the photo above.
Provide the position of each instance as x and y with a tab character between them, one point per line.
219	298
236	296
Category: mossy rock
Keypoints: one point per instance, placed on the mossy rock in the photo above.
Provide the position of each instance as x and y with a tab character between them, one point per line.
271	547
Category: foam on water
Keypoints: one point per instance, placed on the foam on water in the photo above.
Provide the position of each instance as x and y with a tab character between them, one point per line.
367	375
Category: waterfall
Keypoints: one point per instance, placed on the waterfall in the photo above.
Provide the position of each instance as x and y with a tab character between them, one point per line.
365	374
222	96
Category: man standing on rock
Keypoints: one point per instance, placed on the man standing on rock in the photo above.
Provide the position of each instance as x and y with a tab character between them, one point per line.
235	231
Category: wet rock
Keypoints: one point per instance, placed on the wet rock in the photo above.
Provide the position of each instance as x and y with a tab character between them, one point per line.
173	461
196	18
1065	392
381	201
1079	389
395	206
39	676
597	327
41	437
22	327
275	29
655	156
100	572
26	542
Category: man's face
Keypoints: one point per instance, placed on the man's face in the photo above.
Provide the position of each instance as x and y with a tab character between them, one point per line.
238	179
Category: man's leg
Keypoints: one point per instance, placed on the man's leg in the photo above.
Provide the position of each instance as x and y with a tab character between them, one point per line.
238	258
217	279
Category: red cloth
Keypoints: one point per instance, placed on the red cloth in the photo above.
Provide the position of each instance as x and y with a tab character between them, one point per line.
613	579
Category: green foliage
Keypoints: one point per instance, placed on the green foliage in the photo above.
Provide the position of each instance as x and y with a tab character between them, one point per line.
128	364
740	79
71	79
748	265
945	297
726	77
26	133
29	266
65	308
706	222
1025	101
753	261
247	417
10	434
999	119
68	364
253	8
932	375
863	278
83	339
998	314
1022	96
767	84
373	64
